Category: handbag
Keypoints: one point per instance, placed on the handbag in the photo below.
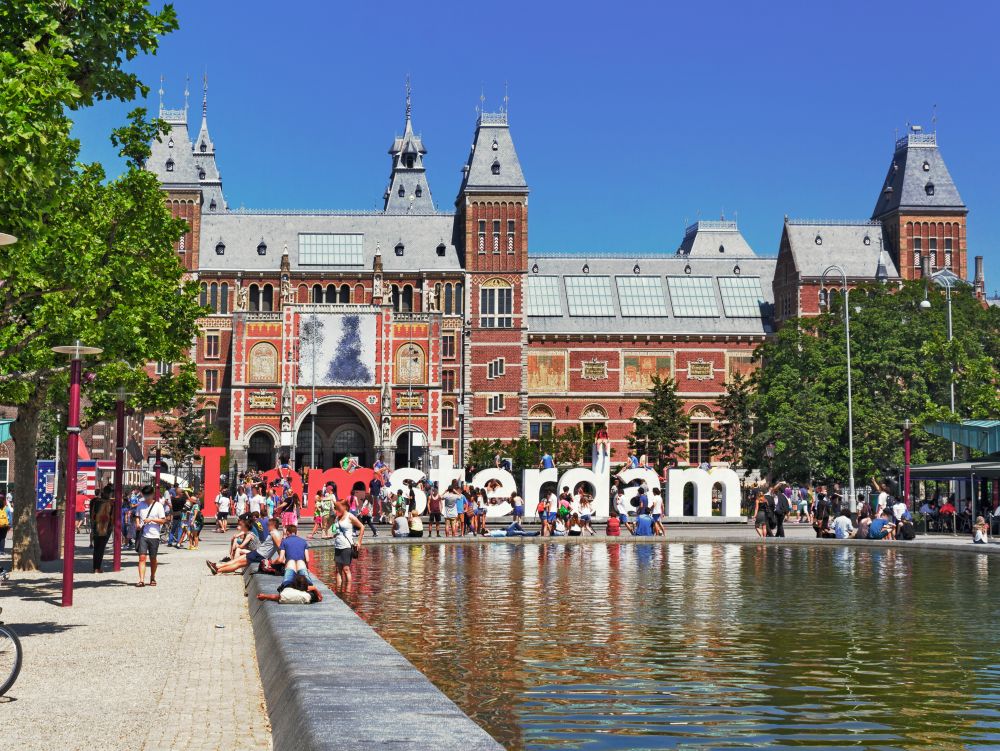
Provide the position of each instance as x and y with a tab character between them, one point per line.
355	551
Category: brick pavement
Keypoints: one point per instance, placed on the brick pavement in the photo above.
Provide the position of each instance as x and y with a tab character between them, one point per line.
136	669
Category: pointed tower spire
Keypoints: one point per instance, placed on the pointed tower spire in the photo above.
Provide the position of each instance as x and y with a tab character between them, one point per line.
187	94
408	191
161	92
204	97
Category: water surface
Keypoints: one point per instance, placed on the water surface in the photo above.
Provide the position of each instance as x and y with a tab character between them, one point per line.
692	646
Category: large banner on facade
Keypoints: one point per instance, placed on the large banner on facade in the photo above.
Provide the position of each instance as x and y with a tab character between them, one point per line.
337	349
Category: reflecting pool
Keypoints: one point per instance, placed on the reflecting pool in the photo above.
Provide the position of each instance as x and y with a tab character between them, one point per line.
691	646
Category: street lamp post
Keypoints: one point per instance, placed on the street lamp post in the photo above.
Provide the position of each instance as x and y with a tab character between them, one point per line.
76	353
850	398
119	479
947	281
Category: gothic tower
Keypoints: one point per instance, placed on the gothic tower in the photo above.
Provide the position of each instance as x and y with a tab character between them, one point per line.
491	228
408	191
920	209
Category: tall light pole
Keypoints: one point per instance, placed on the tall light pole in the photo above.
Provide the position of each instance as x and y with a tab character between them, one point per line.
850	397
946	280
312	408
76	353
119	471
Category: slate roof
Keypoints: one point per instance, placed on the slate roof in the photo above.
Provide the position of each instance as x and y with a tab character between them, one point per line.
242	231
662	266
713	239
493	144
918	178
817	245
412	180
174	146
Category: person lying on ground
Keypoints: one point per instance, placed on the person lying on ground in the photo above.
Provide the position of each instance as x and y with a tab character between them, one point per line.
299	592
516	530
292	553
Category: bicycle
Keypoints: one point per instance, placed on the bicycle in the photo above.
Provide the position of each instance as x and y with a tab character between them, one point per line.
10	657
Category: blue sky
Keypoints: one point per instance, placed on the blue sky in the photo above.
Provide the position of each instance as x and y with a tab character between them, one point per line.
631	119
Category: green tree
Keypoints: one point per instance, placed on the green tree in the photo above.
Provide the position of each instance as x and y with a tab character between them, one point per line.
660	424
184	433
95	258
735	414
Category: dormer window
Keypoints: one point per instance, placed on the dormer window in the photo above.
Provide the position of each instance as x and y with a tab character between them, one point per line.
399	249
888	190
929	188
170	143
441	249
419	191
495	144
203	146
401	191
927	166
819	240
170	165
201	174
867	240
212	205
220	248
722	248
262	248
408	161
496	167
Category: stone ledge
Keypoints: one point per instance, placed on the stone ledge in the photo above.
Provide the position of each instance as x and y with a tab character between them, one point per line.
325	671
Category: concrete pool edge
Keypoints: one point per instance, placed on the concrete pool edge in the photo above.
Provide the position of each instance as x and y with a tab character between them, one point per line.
316	709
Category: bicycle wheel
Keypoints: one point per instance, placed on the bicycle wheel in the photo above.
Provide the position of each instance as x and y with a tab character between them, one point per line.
10	658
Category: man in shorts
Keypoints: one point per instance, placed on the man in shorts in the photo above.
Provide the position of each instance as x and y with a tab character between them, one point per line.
518	503
222	504
149	515
656	507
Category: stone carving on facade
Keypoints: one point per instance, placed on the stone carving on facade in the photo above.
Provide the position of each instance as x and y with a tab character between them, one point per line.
386	429
242	298
377	286
286	291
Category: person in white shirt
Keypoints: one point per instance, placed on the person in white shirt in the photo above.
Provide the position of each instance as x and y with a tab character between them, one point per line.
656	510
150	516
843	529
253	504
222	506
552	513
898	509
241	503
621	507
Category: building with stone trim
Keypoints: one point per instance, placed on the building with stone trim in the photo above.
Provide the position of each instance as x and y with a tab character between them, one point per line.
449	327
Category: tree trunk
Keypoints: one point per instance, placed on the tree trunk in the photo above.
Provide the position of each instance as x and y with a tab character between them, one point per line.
24	431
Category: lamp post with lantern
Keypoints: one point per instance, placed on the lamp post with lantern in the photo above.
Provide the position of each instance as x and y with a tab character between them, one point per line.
850	400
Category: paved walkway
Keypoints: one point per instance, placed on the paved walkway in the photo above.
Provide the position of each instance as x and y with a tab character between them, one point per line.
134	669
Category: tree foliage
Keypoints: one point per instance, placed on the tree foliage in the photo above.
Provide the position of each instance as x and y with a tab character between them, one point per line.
184	433
660	424
735	433
95	259
901	369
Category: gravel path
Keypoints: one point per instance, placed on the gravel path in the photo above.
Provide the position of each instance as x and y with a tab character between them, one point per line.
130	668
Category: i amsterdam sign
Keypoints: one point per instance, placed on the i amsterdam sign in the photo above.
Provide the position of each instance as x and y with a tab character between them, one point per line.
599	479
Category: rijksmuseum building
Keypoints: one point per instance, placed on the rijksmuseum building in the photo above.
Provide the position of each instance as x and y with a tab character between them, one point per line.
411	331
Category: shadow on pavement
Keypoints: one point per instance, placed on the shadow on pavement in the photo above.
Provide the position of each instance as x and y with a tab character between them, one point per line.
25	630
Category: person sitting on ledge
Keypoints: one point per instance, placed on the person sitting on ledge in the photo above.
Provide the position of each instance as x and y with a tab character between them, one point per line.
299	592
881	528
843	528
400	526
644	524
292	553
416	524
559	528
575	528
264	551
980	531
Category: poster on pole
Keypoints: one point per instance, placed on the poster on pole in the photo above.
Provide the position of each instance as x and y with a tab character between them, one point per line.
45	484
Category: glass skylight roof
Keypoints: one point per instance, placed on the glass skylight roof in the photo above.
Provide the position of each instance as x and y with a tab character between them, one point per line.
589	296
331	249
692	296
641	296
741	296
543	296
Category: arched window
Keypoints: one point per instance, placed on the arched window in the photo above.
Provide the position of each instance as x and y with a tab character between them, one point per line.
395	298
203	298
459	300
438	300
410	364
700	436
210	413
317	293
254	297
448	415
447	299
359	293
496	304
260	451
331	293
540	422
407	299
267	298
213	297
170	165
263	363
224	298
345	293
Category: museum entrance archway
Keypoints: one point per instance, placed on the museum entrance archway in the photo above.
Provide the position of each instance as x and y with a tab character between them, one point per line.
260	451
341	430
410	448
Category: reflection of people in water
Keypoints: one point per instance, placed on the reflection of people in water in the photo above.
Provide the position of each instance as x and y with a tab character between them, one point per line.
102	523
